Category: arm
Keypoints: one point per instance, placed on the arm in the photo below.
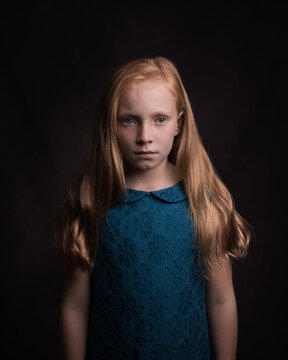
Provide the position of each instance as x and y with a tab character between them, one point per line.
222	311
74	311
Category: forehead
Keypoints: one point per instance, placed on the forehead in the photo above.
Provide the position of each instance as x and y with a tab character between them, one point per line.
147	94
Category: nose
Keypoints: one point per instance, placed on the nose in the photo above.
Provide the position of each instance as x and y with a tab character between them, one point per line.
144	134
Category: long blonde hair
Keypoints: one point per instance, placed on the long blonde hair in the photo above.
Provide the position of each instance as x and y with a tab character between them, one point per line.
101	184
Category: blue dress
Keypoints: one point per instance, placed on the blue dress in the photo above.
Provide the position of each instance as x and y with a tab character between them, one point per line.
147	291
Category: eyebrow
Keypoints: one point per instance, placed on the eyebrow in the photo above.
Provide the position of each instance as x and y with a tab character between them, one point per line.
127	114
158	113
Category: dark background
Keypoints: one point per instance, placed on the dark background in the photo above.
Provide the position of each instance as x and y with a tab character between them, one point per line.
54	62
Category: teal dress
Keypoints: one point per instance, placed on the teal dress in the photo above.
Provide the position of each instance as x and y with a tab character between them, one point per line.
147	290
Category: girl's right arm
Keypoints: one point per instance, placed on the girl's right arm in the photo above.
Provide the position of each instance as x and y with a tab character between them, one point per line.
74	311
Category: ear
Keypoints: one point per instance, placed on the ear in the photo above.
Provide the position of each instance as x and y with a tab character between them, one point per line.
179	122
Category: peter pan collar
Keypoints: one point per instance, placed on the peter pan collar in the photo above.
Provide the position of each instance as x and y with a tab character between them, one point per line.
171	194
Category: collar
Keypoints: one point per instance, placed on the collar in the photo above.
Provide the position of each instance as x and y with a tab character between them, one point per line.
171	194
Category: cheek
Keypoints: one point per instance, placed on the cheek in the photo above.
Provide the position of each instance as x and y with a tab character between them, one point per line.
168	139
124	139
121	135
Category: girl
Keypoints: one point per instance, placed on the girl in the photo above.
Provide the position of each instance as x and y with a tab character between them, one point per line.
148	230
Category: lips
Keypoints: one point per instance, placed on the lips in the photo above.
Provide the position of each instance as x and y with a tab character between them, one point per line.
145	152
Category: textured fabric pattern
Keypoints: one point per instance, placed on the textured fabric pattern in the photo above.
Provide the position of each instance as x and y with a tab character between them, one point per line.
147	292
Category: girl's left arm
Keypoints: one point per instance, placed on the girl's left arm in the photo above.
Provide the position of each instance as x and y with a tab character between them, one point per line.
222	311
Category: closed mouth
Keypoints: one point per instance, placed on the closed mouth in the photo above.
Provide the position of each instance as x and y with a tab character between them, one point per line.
144	152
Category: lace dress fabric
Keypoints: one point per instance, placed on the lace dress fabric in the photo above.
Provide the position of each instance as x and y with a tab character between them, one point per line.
147	291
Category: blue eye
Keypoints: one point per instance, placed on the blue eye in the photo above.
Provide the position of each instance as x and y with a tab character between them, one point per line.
160	120
128	121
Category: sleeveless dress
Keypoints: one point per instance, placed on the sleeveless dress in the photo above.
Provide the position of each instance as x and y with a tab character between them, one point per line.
147	290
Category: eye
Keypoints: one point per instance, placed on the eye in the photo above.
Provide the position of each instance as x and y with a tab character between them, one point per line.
161	120
128	121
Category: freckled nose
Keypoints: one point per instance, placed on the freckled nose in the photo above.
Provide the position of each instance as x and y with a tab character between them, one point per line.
144	135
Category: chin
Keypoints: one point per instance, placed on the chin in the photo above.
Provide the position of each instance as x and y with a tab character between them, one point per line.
140	167
144	167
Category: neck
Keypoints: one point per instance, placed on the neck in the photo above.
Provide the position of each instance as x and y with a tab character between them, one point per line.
152	179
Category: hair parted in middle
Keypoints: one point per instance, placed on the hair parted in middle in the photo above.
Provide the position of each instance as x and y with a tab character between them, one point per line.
101	185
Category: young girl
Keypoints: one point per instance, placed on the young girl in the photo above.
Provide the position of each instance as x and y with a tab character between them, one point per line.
148	230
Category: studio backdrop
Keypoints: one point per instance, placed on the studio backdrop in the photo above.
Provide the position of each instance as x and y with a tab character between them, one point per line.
55	60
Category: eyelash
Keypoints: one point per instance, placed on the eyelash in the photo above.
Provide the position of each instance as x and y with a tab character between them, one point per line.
129	121
163	118
125	121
